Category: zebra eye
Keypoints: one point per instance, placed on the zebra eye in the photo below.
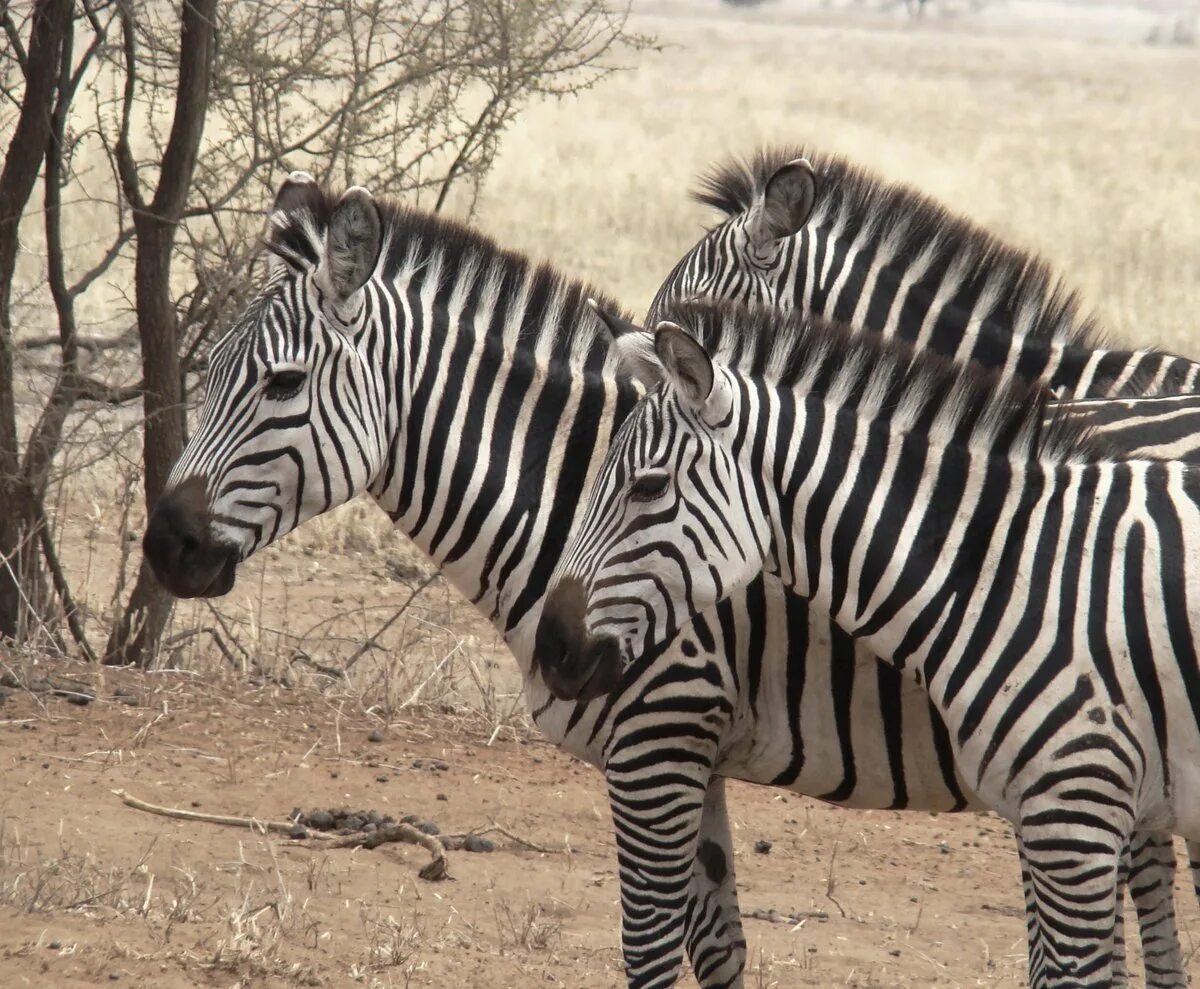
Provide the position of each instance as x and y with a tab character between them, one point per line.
648	487
284	383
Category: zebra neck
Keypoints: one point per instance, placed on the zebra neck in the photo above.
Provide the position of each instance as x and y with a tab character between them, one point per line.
494	462
846	276
880	532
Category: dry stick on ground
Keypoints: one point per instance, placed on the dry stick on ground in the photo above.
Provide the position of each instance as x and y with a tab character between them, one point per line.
499	829
435	871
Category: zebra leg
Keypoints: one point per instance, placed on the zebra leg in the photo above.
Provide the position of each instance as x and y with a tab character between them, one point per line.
1074	869
716	945
1152	888
657	790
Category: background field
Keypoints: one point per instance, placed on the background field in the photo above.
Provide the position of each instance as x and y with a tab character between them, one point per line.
1058	125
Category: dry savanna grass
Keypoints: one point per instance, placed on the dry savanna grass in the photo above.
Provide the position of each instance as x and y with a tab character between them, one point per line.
1055	125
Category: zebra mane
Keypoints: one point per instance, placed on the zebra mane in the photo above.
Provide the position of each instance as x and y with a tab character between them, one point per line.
912	225
537	310
887	379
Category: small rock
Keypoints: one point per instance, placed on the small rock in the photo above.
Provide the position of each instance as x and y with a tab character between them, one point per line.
895	952
944	848
113	977
442	796
475	843
77	697
334	774
55	946
129	700
375	736
195	803
418	763
429	827
762	846
374	817
381	778
354	823
438	765
298	832
3	696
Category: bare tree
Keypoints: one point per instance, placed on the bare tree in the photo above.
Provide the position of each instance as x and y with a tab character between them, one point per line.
48	24
194	110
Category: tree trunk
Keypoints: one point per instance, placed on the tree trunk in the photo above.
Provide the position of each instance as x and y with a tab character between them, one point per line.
135	638
22	162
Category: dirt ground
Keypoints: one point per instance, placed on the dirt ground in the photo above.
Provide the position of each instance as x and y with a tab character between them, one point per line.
93	892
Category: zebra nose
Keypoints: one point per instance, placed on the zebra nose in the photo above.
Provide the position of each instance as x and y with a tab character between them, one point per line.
574	665
177	543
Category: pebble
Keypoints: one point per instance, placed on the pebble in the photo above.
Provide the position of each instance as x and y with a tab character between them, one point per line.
298	832
762	846
429	827
895	952
375	736
381	778
55	946
442	796
475	843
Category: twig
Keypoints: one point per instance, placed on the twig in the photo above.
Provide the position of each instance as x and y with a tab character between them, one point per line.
434	871
361	651
70	608
278	827
500	829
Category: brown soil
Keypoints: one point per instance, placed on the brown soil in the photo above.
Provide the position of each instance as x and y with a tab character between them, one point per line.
93	892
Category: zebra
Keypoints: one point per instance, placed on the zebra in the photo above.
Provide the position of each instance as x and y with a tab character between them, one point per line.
473	395
1044	592
812	231
1161	427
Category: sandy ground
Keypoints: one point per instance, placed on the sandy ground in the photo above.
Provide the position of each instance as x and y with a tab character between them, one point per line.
93	892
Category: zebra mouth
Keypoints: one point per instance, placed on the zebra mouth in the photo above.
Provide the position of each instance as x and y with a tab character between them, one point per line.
595	673
181	549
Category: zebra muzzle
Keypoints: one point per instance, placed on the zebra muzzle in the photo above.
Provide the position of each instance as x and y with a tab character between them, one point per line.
575	665
180	548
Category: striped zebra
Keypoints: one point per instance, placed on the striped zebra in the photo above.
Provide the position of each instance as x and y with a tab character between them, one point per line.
1161	427
473	395
1045	593
813	232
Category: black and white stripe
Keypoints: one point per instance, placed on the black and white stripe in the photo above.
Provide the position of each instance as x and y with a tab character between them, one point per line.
1046	596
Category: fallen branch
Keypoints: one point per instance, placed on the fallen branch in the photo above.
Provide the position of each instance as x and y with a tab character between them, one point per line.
278	827
499	829
434	871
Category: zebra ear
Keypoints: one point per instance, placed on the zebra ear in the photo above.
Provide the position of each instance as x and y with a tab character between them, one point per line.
685	362
353	242
298	191
786	204
617	326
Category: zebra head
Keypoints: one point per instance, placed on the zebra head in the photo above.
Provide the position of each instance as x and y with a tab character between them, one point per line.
290	424
670	528
744	258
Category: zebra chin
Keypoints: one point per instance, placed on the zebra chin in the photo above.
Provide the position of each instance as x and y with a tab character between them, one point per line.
181	550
